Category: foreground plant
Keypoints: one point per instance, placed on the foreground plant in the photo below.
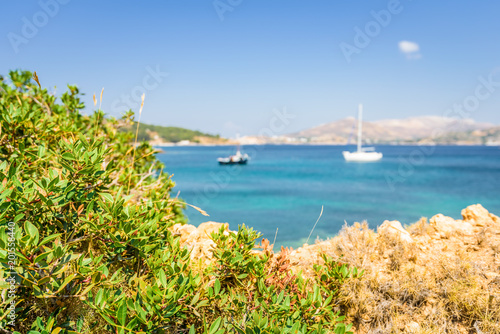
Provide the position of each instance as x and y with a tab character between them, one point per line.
86	246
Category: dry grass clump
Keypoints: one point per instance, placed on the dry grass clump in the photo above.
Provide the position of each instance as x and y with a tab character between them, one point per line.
434	283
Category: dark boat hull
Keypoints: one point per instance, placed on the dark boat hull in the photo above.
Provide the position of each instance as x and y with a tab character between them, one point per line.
242	162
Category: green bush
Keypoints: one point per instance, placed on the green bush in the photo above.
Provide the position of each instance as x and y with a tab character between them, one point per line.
167	133
85	220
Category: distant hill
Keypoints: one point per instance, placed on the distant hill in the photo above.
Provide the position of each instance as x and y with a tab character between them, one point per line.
409	130
489	136
172	134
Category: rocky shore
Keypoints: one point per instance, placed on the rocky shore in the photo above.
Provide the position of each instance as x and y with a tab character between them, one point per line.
439	275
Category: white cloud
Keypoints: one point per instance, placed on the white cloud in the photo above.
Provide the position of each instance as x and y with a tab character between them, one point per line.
410	49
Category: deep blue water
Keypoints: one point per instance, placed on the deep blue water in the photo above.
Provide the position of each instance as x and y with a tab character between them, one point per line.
285	187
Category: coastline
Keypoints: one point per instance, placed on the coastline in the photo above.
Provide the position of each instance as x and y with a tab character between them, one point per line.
311	144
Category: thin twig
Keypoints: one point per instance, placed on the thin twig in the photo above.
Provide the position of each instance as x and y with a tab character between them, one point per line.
49	112
321	213
135	142
146	175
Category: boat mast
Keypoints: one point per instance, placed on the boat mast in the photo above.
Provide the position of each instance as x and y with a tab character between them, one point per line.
360	125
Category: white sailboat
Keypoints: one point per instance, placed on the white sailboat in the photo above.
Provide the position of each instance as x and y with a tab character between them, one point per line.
366	154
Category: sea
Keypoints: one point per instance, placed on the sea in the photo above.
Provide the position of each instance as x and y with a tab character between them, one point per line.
294	194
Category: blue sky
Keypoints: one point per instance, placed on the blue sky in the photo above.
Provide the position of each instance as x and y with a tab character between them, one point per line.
232	63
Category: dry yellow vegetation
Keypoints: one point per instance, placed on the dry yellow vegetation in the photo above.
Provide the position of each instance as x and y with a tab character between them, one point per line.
437	277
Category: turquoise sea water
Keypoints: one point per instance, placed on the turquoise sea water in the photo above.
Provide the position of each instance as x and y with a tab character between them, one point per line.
284	187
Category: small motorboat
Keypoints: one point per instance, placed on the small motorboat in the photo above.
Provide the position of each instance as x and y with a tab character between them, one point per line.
236	159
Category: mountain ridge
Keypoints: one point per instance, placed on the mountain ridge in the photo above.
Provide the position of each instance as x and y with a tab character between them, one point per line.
411	129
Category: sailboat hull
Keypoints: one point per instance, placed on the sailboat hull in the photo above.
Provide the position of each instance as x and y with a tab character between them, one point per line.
362	156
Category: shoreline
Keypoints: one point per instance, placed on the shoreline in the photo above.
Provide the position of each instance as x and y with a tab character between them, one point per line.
315	144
